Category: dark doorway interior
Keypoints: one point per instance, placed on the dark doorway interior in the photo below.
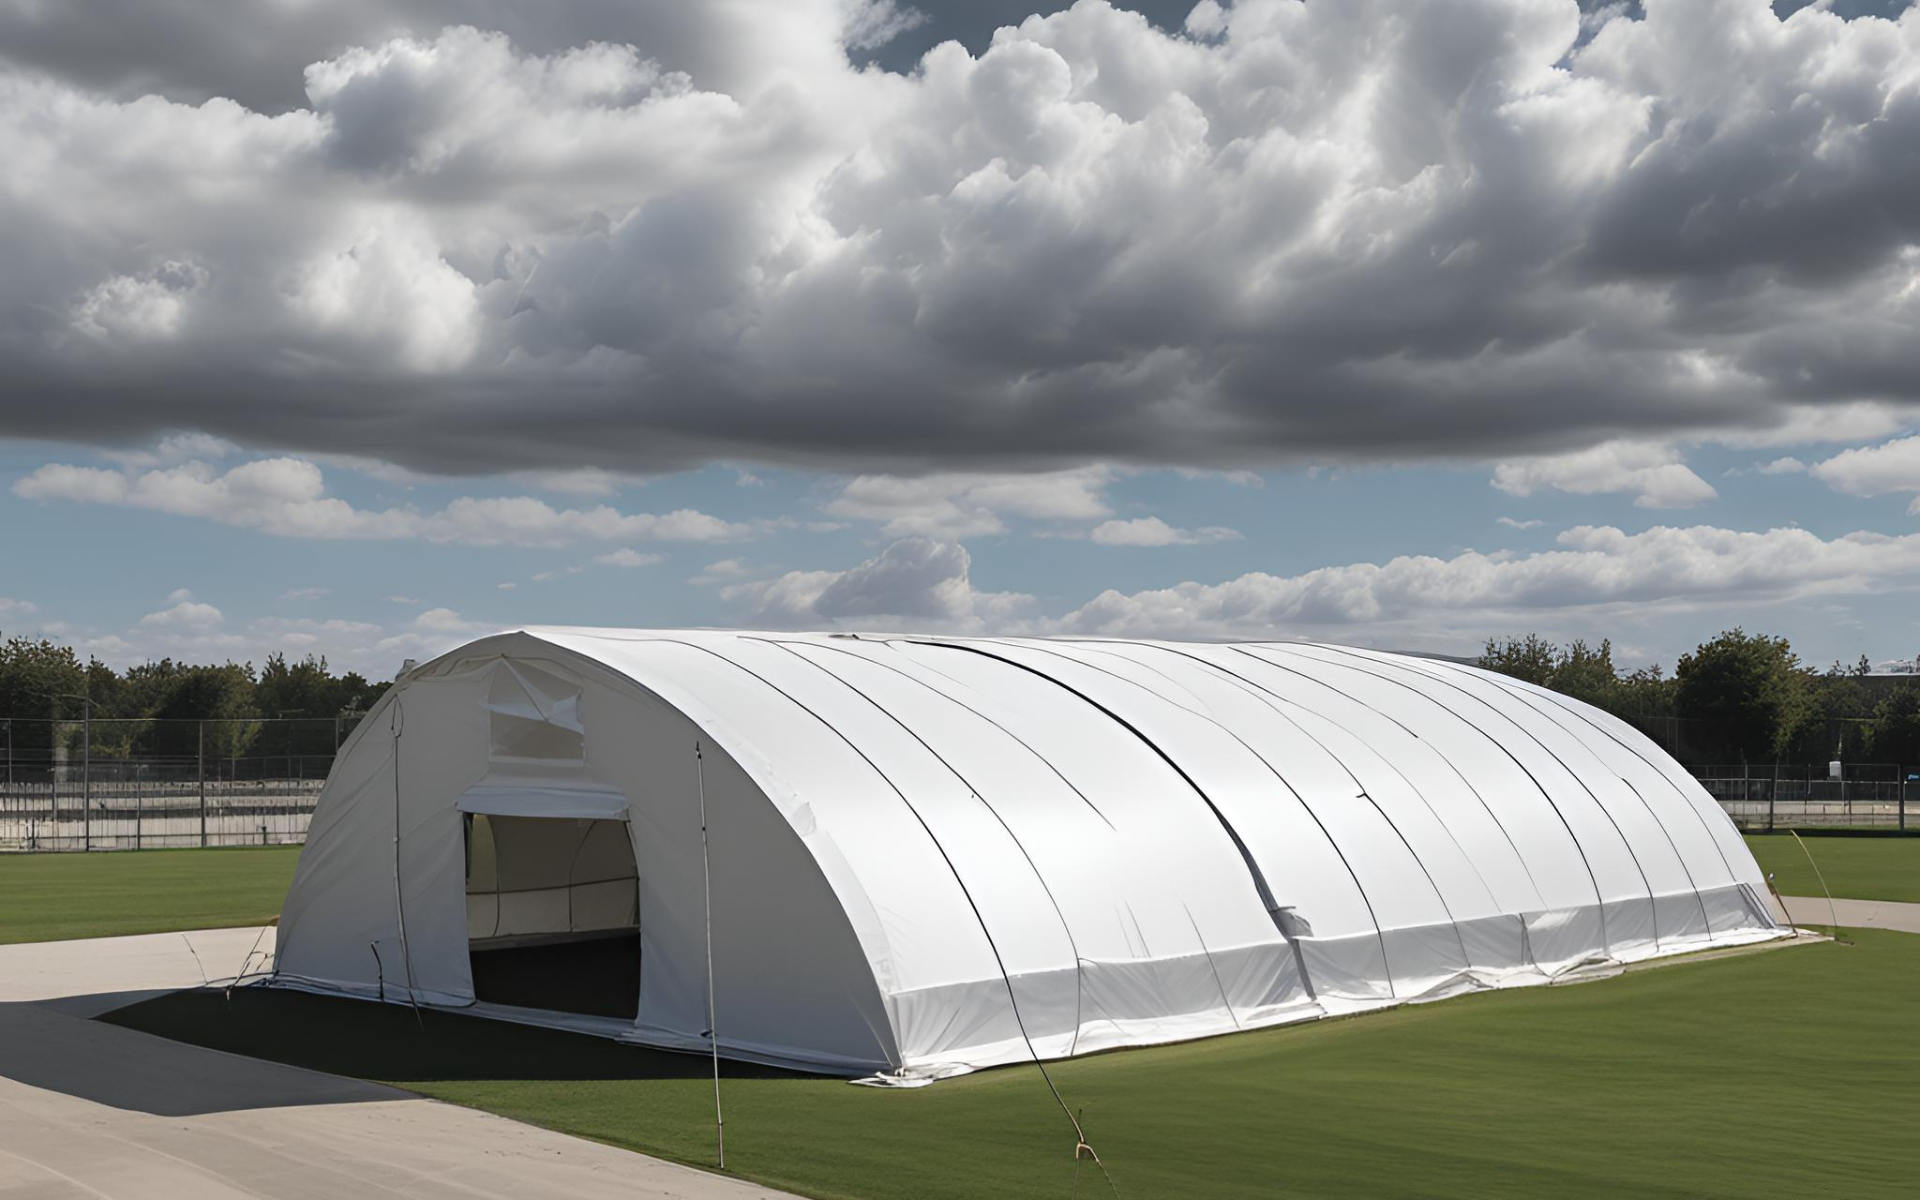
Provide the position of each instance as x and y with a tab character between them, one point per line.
553	918
597	976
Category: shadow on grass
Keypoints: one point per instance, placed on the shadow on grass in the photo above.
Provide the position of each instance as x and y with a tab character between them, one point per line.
368	1040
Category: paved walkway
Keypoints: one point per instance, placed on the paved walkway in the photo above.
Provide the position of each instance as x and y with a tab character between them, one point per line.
96	1111
1859	914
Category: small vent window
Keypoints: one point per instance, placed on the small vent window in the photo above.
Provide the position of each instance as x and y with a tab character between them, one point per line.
534	717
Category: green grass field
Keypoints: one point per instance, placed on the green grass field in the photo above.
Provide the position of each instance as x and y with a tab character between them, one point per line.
1861	868
1793	1072
50	897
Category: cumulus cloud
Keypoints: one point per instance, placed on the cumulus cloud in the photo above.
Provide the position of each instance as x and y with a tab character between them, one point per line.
726	571
580	481
1649	472
174	449
288	497
1516	523
625	557
1592	573
1787	465
1594	569
972	505
199	632
871	23
1890	467
916	583
1380	229
194	51
1152	531
186	614
11	608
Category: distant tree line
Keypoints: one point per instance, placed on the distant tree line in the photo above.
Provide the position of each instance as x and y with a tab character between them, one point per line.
1742	697
45	687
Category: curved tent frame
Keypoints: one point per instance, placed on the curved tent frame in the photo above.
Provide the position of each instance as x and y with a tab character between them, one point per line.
932	854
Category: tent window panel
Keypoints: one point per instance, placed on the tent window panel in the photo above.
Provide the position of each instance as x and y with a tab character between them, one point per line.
534	717
518	740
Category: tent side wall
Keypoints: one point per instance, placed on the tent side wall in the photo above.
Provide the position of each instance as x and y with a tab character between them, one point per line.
991	843
792	984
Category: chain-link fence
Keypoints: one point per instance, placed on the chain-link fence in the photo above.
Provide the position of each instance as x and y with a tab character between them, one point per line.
116	784
1846	795
126	784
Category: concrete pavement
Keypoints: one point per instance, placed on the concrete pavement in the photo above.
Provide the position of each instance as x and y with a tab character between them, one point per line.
93	1110
1858	914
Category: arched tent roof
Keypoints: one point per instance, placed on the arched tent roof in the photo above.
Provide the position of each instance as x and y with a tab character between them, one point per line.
996	847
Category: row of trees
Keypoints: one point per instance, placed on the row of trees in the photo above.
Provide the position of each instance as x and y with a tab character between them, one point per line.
1742	697
155	708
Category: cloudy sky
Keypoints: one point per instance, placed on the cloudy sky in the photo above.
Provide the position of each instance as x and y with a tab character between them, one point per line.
357	327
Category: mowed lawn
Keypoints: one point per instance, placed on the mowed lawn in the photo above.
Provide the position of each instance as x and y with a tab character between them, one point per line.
1790	1072
1860	868
51	897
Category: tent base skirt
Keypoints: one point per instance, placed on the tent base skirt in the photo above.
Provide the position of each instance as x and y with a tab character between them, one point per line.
920	1074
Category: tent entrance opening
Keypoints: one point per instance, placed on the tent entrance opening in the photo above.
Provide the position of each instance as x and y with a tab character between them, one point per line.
553	914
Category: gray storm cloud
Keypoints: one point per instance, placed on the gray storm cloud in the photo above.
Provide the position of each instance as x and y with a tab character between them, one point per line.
1377	229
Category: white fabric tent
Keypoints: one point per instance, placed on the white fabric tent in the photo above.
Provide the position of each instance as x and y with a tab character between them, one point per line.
930	854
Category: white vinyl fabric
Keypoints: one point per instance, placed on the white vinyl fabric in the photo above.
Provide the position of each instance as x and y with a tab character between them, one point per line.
581	803
932	854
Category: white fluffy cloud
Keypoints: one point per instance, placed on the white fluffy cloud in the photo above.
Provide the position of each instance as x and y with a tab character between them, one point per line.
1594	575
1890	467
1376	229
1152	531
187	614
727	571
972	505
1594	569
580	481
626	557
198	632
1593	572
1649	472
288	497
915	583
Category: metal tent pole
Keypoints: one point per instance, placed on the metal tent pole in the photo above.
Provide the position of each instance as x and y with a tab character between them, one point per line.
713	1025
86	776
399	725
